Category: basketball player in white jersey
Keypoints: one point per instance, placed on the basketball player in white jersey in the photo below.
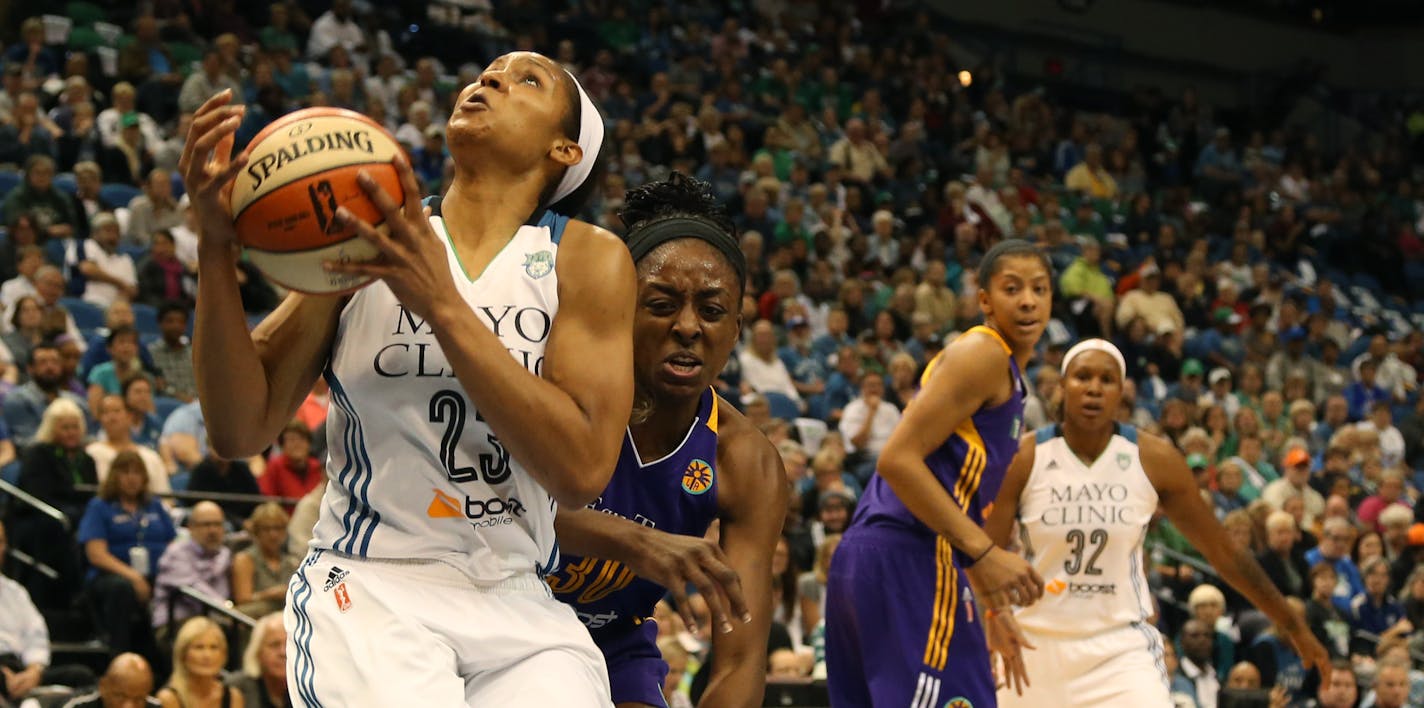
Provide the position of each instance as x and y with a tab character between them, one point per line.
1083	493
484	379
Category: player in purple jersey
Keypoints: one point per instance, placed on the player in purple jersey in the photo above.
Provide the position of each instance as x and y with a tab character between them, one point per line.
902	627
707	462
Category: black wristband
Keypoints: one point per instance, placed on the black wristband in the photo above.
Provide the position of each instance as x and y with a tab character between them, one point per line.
980	557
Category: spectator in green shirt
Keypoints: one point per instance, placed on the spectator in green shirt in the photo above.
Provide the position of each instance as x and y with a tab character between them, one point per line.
1088	290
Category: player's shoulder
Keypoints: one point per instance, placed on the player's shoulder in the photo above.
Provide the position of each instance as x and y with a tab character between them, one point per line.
593	254
749	466
1152	444
738	439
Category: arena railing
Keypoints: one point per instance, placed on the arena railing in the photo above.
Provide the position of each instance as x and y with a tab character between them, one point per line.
210	603
29	561
208	496
34	502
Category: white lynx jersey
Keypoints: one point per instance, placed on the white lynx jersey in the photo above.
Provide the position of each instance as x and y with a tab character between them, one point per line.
414	472
1083	527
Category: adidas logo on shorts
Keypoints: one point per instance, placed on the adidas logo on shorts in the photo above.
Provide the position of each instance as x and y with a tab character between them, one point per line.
334	578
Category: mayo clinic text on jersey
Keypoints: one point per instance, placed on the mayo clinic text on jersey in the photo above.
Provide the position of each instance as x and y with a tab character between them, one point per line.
1095	503
410	358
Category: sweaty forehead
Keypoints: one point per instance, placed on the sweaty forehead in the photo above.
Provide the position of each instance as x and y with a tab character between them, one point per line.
688	259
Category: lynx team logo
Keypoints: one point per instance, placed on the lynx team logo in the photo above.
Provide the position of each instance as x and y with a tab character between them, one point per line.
697	478
1123	460
538	265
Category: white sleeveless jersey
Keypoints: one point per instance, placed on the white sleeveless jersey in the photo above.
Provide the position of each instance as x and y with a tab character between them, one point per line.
1082	528
413	470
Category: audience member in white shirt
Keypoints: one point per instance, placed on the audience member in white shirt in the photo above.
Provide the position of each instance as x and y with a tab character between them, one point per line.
109	273
762	370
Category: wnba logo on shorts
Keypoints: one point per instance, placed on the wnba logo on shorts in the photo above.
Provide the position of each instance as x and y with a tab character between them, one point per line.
697	478
343	597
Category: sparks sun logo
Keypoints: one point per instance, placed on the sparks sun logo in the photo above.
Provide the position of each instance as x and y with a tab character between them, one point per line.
697	478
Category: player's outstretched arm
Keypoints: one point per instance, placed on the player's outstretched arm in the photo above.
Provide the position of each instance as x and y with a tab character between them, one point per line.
752	500
1006	640
1182	501
250	384
967	376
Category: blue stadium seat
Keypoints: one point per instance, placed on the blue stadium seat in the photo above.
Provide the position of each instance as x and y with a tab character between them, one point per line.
781	405
164	405
119	194
137	253
145	318
86	315
9	179
66	183
54	252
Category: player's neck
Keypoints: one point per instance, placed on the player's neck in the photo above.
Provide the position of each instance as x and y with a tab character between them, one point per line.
480	207
661	432
1088	443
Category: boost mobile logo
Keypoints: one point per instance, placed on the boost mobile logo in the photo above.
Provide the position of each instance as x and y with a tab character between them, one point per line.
1057	586
494	511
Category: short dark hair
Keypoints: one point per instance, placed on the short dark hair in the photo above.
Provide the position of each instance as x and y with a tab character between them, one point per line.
296	427
171	306
46	345
121	331
1009	248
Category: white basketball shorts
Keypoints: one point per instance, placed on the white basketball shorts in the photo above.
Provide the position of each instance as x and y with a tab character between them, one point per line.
363	632
1120	667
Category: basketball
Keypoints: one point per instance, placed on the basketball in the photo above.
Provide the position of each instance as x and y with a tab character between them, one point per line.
300	170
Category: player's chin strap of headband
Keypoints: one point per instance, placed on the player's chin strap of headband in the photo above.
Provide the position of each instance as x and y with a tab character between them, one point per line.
652	233
590	138
1096	345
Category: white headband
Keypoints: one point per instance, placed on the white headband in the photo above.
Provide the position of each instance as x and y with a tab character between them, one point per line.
1096	345
590	138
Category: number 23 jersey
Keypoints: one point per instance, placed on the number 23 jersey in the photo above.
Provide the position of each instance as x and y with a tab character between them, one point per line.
1082	527
414	472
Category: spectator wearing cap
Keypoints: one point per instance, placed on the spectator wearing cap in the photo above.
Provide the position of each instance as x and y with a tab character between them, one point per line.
109	273
1221	345
1150	302
1189	385
808	373
1219	392
1292	360
834	505
762	370
1334	550
1295	482
1365	392
132	155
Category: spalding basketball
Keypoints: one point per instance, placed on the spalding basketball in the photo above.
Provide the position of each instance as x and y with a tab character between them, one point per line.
300	170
